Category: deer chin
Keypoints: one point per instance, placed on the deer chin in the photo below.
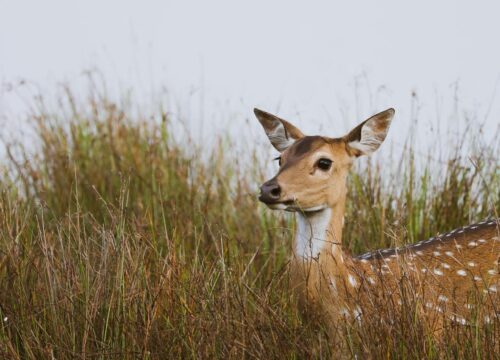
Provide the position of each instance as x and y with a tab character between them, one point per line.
277	206
288	205
315	208
295	207
312	209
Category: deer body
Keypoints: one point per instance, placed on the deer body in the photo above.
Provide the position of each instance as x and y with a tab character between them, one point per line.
445	274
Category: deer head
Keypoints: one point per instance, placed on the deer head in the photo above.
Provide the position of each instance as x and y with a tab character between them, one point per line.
313	169
311	181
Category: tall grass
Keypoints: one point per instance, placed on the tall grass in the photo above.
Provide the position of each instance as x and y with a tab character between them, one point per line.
118	242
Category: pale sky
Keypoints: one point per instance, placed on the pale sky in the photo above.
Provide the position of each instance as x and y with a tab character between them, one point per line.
324	65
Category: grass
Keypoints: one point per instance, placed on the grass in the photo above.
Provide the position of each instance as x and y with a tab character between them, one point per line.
116	241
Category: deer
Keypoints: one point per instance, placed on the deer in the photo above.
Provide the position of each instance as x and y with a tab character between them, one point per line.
448	273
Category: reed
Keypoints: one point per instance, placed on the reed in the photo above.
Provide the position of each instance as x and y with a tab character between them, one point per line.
117	241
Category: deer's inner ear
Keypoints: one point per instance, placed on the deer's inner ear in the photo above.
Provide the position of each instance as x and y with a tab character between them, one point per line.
280	132
367	137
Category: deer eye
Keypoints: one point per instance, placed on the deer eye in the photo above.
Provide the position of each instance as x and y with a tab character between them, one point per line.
279	160
324	164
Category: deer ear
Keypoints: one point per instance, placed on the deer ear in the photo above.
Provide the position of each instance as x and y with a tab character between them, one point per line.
365	138
280	132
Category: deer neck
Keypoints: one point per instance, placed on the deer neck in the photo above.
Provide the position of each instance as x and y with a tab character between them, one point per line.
320	232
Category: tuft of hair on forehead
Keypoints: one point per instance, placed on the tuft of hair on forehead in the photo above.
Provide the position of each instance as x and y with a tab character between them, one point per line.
307	144
312	143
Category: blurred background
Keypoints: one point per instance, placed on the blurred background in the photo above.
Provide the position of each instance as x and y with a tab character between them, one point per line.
324	65
130	165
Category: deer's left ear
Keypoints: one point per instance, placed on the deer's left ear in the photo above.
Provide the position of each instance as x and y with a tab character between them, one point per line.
280	132
365	138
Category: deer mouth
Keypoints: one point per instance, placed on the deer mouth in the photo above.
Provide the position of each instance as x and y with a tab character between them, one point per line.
305	210
287	205
294	206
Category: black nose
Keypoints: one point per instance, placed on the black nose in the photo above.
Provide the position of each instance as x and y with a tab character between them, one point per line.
270	192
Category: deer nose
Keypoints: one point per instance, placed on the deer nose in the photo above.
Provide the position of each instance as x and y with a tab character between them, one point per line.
270	192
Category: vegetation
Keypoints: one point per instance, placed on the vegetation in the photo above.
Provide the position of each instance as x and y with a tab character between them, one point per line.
117	241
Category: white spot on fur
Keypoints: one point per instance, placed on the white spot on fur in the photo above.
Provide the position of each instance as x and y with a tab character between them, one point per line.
442	298
357	313
419	252
371	280
471	264
436	253
333	284
449	253
445	265
492	272
352	280
493	288
472	244
462	272
344	312
477	278
482	241
459	319
438	272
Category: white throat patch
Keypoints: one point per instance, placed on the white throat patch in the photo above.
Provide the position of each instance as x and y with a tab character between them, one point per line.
311	233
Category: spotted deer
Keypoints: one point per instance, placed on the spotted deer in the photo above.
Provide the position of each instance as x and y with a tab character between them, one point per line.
450	274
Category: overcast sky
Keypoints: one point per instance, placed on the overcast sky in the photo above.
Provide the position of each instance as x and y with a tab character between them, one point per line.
322	64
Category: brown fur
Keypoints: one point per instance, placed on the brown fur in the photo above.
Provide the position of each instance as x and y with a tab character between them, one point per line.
444	273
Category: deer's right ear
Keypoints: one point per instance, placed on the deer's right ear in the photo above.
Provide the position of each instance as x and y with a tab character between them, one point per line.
280	132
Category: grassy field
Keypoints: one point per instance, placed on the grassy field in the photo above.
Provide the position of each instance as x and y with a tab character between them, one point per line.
117	242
